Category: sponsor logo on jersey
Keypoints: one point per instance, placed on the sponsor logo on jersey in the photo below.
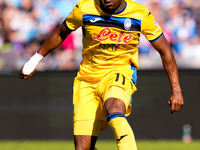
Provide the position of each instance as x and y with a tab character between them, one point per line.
127	24
106	34
109	47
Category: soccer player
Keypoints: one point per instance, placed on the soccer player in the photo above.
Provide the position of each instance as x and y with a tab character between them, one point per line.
107	76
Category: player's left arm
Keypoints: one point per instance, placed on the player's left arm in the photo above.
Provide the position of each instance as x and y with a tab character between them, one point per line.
162	46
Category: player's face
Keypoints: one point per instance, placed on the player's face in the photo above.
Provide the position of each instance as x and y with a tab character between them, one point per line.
112	6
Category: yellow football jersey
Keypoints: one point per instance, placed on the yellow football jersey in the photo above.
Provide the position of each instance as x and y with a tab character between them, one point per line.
110	40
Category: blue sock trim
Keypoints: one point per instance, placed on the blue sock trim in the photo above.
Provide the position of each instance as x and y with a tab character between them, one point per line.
115	115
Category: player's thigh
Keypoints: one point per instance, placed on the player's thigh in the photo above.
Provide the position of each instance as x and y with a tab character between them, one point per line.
89	113
117	98
87	105
118	89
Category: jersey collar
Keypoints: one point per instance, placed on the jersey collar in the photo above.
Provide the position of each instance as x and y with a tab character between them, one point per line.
118	12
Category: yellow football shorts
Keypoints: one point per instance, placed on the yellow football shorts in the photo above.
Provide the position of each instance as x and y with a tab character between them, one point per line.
90	115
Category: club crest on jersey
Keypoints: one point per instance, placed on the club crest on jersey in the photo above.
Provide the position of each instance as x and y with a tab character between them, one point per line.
127	24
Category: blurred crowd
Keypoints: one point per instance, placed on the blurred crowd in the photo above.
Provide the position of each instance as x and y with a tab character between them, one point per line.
24	25
180	21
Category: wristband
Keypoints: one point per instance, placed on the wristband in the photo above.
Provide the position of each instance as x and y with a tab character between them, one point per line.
32	63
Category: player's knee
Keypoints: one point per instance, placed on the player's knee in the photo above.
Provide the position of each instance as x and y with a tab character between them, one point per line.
114	105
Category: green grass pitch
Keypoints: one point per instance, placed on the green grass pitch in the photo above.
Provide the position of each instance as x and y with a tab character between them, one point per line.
101	145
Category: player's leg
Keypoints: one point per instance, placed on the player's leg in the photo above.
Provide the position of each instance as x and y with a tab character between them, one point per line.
86	133
116	91
85	142
117	120
87	120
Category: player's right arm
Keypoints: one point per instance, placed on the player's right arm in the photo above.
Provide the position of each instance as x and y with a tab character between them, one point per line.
51	42
54	40
71	23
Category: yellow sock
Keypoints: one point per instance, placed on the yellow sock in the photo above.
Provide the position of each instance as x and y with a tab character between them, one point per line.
124	135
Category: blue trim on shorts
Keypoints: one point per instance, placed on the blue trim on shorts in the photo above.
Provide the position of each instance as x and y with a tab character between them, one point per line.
134	75
131	100
134	80
115	115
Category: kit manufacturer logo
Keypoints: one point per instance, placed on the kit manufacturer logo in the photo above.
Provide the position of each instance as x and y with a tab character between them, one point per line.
95	20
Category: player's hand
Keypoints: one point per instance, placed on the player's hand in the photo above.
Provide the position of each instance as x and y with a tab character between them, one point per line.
22	76
176	102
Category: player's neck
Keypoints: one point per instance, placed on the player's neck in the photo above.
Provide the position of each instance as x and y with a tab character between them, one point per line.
117	10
